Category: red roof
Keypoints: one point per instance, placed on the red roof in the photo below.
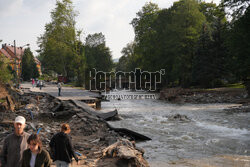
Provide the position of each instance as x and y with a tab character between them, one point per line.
5	53
8	51
19	51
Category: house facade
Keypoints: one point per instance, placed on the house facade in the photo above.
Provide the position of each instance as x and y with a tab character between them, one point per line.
16	61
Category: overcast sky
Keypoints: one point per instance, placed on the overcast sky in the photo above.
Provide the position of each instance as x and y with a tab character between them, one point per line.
24	20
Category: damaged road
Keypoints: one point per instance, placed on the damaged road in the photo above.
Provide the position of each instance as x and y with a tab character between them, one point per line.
90	133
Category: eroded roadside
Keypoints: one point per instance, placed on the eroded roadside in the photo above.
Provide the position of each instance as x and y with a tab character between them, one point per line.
92	137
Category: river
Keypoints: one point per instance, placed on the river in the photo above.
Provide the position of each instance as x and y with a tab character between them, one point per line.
210	132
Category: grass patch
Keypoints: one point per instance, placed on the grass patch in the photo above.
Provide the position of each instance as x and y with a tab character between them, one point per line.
72	84
68	85
2	100
235	85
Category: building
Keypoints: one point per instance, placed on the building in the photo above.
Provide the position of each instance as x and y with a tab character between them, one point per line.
16	61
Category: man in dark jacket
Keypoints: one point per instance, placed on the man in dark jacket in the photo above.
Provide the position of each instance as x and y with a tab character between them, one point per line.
14	145
61	147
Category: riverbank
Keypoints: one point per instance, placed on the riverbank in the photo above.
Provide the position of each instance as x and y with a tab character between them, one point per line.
206	96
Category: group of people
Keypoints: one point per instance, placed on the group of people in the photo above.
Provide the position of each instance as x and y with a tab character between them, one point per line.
21	149
39	83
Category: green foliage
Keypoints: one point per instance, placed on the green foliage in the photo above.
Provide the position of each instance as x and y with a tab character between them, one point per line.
98	55
187	23
58	43
145	39
5	72
236	85
166	39
239	46
80	64
2	100
209	65
128	59
29	68
62	51
193	42
46	77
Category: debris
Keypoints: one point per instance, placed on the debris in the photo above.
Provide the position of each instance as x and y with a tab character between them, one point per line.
124	153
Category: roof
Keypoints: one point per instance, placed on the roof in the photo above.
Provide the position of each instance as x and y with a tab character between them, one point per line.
5	53
8	51
19	51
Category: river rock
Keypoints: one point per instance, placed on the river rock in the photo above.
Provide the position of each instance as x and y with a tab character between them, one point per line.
179	117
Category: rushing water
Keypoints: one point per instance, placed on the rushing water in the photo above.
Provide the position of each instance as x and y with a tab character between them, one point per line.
210	132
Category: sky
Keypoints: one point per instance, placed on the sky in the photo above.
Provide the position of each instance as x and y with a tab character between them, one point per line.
24	20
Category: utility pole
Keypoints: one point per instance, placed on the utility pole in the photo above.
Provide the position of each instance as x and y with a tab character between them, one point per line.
15	64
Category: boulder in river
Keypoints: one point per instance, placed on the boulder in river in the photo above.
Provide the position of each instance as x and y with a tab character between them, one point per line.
179	117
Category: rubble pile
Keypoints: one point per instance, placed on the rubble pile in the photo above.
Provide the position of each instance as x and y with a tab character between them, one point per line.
122	153
242	108
6	101
44	115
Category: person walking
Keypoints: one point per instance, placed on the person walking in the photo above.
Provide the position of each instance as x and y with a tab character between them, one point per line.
61	148
14	145
41	84
33	82
35	155
59	85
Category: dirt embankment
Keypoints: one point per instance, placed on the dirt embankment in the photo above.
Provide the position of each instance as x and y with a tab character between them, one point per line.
204	96
91	136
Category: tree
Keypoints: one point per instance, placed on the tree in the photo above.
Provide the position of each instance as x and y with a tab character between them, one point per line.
29	68
145	38
166	39
203	67
5	72
80	62
93	40
238	44
187	24
58	43
128	57
210	61
98	55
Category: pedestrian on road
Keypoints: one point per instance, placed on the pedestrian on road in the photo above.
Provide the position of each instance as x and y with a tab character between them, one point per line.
59	85
41	84
33	82
61	148
14	145
35	155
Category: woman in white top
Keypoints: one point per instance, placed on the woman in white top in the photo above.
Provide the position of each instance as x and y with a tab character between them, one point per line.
35	155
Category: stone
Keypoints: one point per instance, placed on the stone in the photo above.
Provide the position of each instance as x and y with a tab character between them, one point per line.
178	117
